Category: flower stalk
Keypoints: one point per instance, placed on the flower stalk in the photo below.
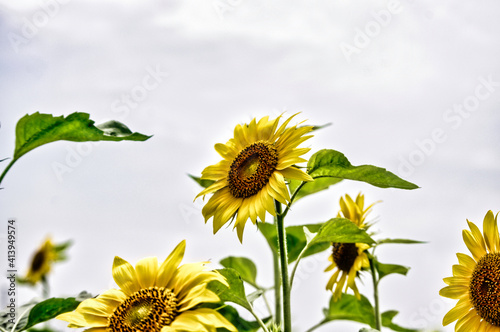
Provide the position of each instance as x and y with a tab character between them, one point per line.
378	320
285	284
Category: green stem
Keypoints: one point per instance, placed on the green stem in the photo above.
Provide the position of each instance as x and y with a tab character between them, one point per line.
375	280
292	198
316	326
277	286
261	323
285	284
7	169
45	288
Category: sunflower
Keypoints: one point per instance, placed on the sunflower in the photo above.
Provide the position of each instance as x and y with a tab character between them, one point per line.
153	298
253	171
349	258
476	280
43	259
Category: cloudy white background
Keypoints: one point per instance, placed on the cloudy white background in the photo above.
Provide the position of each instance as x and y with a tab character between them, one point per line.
391	97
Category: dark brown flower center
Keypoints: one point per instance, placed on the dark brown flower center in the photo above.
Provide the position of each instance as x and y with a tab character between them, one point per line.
146	310
484	288
344	255
251	169
38	261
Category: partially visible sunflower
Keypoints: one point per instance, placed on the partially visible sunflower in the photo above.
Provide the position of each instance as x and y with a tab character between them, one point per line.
476	280
253	171
349	258
43	259
153	298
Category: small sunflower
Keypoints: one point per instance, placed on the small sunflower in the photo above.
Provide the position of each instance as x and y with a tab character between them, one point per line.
153	298
43	259
253	171
349	258
476	280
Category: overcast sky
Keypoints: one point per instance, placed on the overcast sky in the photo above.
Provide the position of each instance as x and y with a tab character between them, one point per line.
412	86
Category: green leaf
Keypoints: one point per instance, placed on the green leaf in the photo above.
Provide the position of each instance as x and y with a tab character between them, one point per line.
7	318
400	241
348	307
38	129
387	322
204	183
295	239
341	230
241	324
49	309
310	188
364	329
386	269
244	266
331	163
235	292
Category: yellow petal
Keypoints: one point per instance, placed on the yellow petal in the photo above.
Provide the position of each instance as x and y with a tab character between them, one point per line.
454	292
475	248
490	229
170	265
461	309
197	295
296	174
146	270
125	276
466	261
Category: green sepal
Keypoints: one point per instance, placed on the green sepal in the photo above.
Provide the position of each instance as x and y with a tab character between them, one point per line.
331	163
202	182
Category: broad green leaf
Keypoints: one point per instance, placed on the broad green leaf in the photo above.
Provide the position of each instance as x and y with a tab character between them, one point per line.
387	322
386	269
295	239
49	309
348	307
235	292
244	266
38	129
313	187
341	230
331	163
204	183
7	317
240	323
400	241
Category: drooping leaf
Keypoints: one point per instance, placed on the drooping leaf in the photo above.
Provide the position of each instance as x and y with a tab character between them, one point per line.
244	266
204	183
49	309
348	307
295	238
331	163
387	322
341	230
313	187
386	269
400	241
38	129
235	292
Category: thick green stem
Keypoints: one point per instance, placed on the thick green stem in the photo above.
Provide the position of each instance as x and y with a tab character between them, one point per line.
277	287
285	284
378	324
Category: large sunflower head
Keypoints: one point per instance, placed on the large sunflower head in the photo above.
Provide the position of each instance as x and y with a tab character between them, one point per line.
153	298
476	280
252	173
349	258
